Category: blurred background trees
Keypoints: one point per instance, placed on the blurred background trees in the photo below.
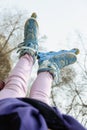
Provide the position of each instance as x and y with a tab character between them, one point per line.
69	95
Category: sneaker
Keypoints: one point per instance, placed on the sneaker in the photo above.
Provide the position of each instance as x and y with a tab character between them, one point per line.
53	62
30	44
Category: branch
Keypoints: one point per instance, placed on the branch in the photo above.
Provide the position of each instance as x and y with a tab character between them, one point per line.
52	97
11	33
11	50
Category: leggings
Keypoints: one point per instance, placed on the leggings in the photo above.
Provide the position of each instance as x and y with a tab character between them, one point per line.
17	82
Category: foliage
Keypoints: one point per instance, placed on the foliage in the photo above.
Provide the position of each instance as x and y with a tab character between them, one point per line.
5	62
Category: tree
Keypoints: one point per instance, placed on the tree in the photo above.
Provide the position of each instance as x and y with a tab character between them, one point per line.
5	63
70	93
11	34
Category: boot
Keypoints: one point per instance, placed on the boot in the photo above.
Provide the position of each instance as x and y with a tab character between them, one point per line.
53	62
30	44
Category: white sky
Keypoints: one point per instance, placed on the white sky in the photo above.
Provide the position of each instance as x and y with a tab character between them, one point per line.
57	18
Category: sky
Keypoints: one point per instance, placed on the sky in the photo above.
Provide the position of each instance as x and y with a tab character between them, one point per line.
57	18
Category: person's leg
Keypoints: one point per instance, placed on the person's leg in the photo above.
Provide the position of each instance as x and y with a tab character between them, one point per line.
49	66
16	84
41	88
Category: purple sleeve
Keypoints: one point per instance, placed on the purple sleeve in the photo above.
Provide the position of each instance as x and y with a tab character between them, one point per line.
21	114
69	122
18	115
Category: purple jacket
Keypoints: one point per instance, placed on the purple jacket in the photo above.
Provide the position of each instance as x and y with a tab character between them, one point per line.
30	114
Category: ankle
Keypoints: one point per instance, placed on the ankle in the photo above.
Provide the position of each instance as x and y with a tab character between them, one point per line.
29	58
46	74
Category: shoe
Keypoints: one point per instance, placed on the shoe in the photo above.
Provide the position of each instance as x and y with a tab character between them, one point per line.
45	56
30	44
53	62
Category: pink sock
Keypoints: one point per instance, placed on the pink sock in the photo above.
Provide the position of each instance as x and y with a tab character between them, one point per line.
41	88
